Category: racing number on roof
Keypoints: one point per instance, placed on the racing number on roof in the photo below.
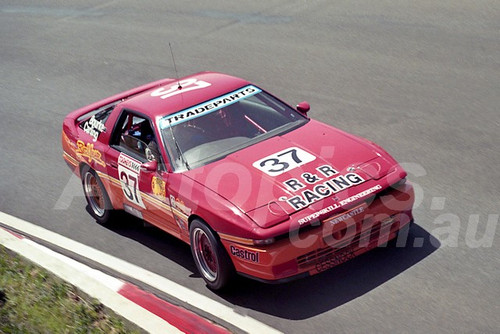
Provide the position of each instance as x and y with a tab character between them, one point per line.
283	161
187	85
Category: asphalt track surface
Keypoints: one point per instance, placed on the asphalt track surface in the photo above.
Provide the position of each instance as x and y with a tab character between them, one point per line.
420	78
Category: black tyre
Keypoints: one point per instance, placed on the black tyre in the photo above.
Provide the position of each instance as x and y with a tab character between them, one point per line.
97	198
209	255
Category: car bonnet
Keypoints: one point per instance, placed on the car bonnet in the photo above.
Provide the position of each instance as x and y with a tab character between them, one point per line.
288	173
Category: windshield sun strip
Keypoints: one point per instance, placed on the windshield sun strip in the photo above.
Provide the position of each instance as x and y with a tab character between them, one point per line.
208	106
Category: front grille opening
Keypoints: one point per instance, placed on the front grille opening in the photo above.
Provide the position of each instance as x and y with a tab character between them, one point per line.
362	239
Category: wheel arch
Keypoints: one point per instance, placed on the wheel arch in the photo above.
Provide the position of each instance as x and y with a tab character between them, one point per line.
192	217
217	272
81	166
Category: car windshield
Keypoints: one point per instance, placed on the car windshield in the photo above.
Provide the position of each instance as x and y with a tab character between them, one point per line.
216	128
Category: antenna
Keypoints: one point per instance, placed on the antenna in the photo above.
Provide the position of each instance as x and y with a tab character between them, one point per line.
175	67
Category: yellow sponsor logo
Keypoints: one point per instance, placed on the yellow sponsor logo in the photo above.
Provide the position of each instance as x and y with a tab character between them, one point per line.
158	187
89	152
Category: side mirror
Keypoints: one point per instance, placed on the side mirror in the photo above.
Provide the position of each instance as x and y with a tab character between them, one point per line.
150	166
303	107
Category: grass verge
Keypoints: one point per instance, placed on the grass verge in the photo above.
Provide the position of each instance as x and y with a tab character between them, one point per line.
32	300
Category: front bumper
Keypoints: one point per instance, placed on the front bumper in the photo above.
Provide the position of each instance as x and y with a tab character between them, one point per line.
331	242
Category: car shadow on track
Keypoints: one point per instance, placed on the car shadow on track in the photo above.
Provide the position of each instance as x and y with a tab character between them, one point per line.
305	297
315	295
155	239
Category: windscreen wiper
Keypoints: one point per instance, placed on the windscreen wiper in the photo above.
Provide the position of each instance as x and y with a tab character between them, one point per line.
177	147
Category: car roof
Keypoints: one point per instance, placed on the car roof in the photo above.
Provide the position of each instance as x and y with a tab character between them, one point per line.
156	106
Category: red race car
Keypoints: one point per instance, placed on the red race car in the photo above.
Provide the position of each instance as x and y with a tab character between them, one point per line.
255	186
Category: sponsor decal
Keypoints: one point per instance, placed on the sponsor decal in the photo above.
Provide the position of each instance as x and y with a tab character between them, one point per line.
208	107
315	215
158	187
336	219
178	204
360	195
87	151
180	211
283	161
326	182
318	189
128	172
244	254
129	163
345	216
93	127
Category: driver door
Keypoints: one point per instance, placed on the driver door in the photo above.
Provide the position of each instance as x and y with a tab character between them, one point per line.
135	163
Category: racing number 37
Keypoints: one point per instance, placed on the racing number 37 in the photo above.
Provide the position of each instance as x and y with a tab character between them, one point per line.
283	161
187	85
129	180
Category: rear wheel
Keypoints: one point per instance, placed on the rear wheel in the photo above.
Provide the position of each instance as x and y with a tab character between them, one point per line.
209	255
99	204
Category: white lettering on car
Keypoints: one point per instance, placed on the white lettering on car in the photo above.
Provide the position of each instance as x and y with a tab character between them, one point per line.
347	215
186	86
315	215
94	128
337	182
208	107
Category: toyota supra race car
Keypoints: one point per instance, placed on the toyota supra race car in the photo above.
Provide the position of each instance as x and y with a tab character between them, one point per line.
254	186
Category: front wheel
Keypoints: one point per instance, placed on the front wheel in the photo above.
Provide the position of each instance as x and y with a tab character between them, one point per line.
209	255
99	204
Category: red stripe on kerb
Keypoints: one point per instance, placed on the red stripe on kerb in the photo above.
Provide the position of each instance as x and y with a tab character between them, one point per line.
183	319
13	233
